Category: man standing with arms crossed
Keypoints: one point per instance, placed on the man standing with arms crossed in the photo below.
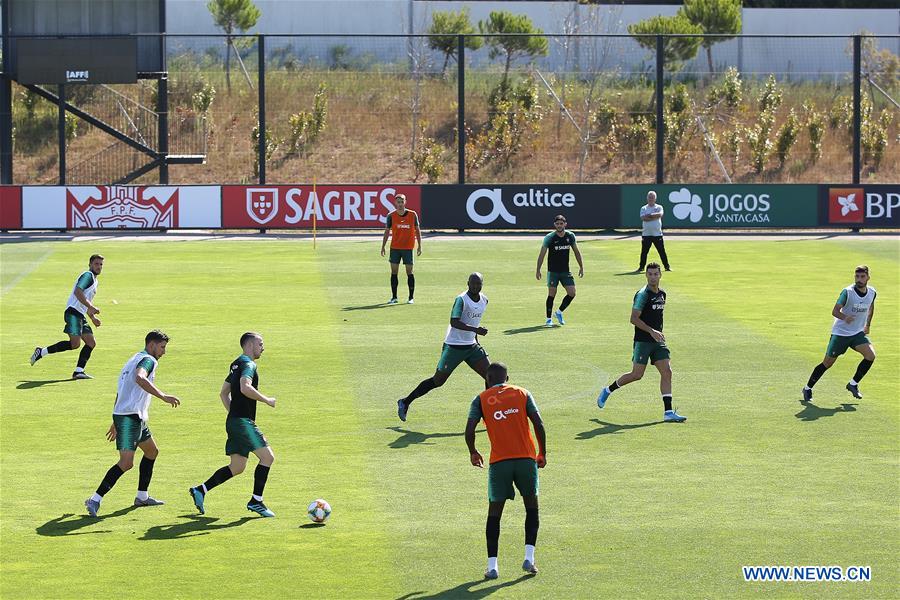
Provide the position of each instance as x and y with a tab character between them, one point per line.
651	216
506	410
79	306
852	314
239	395
403	227
558	243
130	415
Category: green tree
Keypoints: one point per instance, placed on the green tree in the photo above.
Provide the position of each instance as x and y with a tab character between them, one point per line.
529	42
445	27
231	15
713	16
676	49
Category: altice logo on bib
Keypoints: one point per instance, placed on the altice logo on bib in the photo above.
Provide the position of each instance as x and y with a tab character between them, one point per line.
720	208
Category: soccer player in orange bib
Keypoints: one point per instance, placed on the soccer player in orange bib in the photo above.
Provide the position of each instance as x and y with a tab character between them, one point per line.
403	227
506	410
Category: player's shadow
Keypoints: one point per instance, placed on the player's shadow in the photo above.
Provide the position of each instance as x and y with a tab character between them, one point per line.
635	272
811	412
369	306
410	438
466	590
531	329
27	385
194	525
606	428
65	525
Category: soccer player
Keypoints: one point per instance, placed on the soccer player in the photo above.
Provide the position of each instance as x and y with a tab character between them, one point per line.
649	344
651	234
506	410
852	314
81	304
240	394
130	415
403	227
460	344
558	243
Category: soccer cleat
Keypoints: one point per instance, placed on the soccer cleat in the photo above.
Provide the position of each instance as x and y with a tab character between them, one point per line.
197	496
402	409
548	323
529	567
410	301
668	268
92	507
148	502
259	508
603	397
559	317
670	416
392	301
491	574
35	356
807	395
854	389
81	375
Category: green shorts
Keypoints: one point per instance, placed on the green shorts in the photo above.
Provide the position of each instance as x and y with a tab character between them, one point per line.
838	344
452	356
652	351
76	323
554	278
397	255
243	436
523	472
130	431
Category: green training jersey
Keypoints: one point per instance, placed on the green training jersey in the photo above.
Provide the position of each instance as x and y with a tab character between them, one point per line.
651	305
558	250
241	405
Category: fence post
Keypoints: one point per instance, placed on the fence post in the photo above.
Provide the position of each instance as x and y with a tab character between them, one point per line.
261	109
162	134
6	157
660	125
857	109
461	108
61	133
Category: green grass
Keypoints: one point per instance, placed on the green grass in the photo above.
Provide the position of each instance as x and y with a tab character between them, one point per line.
630	507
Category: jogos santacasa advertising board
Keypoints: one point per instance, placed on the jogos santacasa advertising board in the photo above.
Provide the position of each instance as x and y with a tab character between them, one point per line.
737	206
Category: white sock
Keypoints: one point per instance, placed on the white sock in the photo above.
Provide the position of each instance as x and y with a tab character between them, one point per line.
142	495
529	553
96	497
203	488
79	369
852	382
44	352
257	498
492	564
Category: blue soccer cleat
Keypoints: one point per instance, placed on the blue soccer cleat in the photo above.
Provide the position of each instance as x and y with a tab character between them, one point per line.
854	389
529	567
807	395
548	323
259	508
670	416
92	507
402	409
559	317
603	397
491	574
35	356
197	496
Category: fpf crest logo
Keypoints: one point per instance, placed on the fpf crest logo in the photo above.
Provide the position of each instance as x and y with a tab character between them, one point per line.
121	207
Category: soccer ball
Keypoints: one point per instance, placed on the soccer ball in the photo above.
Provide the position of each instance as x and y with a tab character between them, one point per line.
318	511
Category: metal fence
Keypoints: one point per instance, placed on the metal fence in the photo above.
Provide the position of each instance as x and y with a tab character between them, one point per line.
473	109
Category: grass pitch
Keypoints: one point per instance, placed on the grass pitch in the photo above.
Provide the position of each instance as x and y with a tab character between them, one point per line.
630	507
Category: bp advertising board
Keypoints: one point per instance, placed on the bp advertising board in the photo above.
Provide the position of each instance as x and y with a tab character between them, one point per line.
716	206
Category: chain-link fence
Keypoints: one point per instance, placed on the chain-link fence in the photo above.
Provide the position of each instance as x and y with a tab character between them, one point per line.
542	108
